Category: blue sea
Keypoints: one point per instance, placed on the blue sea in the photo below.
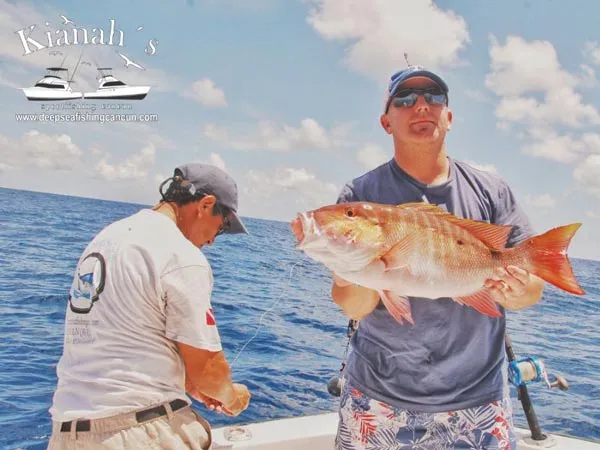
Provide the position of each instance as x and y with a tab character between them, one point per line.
263	289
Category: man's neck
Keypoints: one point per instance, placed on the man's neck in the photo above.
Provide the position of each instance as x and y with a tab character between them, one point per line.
426	164
168	210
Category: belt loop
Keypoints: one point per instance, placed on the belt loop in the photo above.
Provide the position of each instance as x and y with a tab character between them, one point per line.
169	410
73	430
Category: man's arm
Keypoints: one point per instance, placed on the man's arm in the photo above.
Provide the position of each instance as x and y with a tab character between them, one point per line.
513	287
187	292
208	375
356	301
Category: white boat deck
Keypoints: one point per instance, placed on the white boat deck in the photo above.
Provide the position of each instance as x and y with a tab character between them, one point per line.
317	432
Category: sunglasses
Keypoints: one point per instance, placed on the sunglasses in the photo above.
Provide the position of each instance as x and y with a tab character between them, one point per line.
407	98
226	223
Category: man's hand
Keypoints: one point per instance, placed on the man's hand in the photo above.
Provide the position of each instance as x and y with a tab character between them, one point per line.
356	301
208	379
515	288
239	400
209	402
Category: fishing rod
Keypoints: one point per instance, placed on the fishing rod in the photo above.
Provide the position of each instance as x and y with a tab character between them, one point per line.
334	385
522	372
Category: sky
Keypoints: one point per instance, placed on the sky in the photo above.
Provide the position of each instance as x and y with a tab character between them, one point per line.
286	97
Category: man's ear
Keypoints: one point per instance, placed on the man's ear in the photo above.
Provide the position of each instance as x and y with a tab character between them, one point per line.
449	120
385	123
206	204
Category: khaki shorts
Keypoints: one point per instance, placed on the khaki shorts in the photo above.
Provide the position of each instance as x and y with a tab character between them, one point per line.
174	430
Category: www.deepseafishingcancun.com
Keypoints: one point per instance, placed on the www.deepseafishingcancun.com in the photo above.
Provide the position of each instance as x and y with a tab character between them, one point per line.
85	117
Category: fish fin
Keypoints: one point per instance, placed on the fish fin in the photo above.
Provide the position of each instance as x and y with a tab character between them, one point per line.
493	236
396	257
548	254
397	305
481	301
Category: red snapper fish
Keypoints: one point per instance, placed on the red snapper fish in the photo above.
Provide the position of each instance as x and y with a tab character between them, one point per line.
420	250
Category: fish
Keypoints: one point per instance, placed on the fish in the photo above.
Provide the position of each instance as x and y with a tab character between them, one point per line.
420	250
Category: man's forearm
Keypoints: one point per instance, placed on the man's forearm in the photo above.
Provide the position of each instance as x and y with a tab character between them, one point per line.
356	301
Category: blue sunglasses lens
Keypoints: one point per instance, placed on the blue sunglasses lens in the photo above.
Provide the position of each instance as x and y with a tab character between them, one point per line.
409	98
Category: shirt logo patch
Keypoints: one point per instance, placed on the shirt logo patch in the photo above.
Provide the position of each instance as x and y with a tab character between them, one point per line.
210	317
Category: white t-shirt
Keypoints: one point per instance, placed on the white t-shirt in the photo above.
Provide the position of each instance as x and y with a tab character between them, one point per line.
155	289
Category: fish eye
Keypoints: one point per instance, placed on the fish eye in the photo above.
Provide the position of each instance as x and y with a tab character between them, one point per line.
349	213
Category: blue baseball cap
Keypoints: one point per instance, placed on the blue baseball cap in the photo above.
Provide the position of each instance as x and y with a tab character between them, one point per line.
411	72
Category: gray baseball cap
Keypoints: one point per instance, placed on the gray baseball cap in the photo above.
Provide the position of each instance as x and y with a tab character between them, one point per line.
212	180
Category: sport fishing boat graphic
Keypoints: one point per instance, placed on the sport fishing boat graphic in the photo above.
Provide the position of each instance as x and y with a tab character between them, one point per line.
111	88
52	87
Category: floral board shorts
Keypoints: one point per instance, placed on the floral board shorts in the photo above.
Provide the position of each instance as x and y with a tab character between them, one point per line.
367	424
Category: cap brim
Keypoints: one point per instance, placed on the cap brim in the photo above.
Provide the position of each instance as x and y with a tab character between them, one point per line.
236	226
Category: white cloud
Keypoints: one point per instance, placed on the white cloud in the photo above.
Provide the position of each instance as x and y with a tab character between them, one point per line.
539	99
135	167
545	142
485	167
379	32
16	16
216	160
592	214
280	194
267	135
588	76
587	173
591	51
143	133
206	93
372	156
477	95
40	150
543	201
562	149
520	67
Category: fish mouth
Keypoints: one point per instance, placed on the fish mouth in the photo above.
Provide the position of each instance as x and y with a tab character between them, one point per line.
306	229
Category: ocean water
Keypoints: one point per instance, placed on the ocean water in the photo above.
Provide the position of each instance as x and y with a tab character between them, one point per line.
259	280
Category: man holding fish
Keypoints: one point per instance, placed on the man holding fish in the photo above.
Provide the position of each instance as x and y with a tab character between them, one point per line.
427	252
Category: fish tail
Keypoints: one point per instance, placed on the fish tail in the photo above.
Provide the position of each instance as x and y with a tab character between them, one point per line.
548	256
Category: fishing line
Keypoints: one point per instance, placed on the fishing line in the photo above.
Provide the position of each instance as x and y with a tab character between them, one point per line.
266	312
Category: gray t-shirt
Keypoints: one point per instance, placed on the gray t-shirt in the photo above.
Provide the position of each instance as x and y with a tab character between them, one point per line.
453	357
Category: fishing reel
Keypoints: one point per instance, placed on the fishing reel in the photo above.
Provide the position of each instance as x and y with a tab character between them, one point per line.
529	370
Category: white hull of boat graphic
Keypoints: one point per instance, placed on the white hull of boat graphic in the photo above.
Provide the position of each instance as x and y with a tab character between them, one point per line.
119	93
47	94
